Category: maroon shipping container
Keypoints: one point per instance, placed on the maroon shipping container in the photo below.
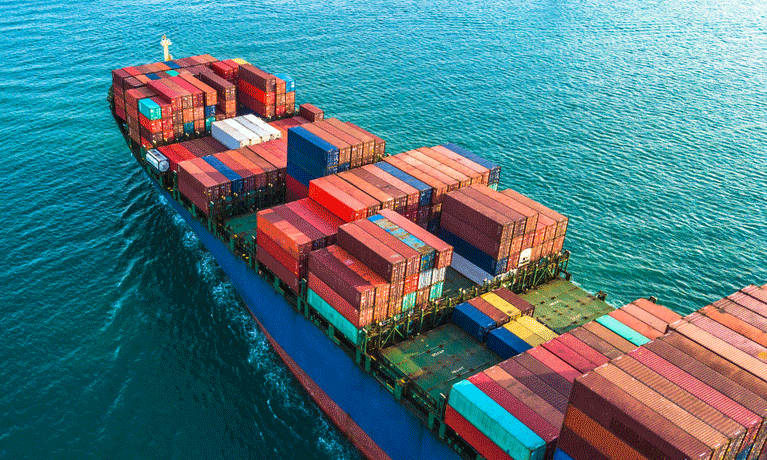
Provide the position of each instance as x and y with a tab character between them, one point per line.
530	215
248	177
730	336
742	313
342	279
596	343
516	369
609	336
635	324
583	349
522	305
310	112
444	254
723	348
673	413
259	175
475	177
449	176
356	144
316	236
485	219
386	200
411	192
412	256
359	318
269	169
645	430
687	401
197	186
568	355
399	197
543	409
721	375
379	257
490	310
543	372
516	403
658	311
258	78
736	324
439	188
278	270
555	363
483	171
497	249
383	289
493	199
557	217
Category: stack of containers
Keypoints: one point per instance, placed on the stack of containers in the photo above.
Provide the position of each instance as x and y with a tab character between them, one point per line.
531	389
639	322
210	100
242	131
481	228
327	147
258	91
228	70
480	317
494	175
287	234
226	94
698	391
133	98
550	233
408	259
290	94
518	335
486	318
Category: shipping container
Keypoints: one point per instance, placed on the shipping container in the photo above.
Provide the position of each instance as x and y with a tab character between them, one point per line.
381	258
505	344
481	443
635	324
596	343
444	251
528	336
658	311
548	376
583	349
568	355
342	279
631	420
736	324
557	217
473	321
357	318
505	430
622	330
609	336
495	170
601	440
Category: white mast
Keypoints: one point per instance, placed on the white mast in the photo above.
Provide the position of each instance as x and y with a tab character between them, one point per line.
165	42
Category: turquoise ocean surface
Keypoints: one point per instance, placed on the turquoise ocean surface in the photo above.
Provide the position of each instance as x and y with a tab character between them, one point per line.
120	338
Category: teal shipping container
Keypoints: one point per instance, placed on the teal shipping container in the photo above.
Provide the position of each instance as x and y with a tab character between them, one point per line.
622	330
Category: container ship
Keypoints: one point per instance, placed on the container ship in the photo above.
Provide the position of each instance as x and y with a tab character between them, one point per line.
428	313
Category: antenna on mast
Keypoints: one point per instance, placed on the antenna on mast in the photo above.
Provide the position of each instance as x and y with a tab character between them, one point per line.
165	42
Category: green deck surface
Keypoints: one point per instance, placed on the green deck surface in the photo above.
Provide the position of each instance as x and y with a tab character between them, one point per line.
437	359
562	306
244	224
454	282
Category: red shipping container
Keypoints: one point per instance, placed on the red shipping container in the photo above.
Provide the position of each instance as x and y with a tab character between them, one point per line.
583	350
378	256
382	288
210	97
318	216
568	355
278	270
736	324
280	255
310	112
555	363
284	234
595	435
336	200
473	436
658	311
596	343
490	310
358	318
295	190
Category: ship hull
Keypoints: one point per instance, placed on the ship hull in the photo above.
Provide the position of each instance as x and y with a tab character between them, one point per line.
377	424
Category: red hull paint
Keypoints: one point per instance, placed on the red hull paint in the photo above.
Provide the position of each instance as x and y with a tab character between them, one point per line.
349	427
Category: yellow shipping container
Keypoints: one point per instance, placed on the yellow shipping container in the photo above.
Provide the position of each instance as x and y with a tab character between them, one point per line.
528	336
538	328
499	303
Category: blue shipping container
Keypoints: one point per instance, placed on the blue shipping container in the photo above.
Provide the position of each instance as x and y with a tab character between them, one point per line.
505	344
473	321
473	255
172	64
152	76
495	170
210	111
150	109
425	191
298	173
559	454
427	252
304	148
227	172
290	84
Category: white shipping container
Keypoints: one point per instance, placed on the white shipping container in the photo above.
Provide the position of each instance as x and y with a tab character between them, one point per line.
273	132
469	270
250	136
424	279
262	135
439	275
223	133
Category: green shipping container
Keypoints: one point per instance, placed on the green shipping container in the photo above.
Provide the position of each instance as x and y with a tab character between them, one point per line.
622	330
172	73
150	109
336	319
508	433
408	301
208	122
436	291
